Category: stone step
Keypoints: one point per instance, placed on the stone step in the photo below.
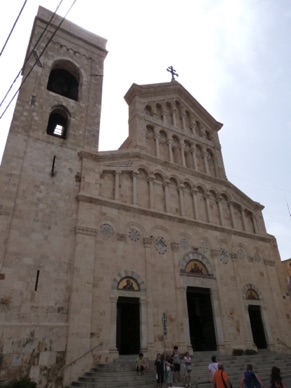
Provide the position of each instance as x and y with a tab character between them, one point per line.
121	373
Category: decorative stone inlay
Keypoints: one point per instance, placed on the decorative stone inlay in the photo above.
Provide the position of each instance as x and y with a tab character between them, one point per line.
184	244
161	245
223	256
121	237
126	163
257	256
134	234
175	247
87	231
148	242
204	247
241	254
106	230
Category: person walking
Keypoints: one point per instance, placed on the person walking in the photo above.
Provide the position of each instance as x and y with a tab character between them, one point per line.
276	379
212	368
220	378
250	379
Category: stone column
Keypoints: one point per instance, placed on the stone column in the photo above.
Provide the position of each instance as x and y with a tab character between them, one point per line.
185	317
193	151
220	212
116	185
217	320
134	187
180	328
151	185
157	145
181	199
195	207
209	218
148	280
143	325
204	157
182	148
243	218
174	113
113	320
170	142
184	120
256	230
232	214
166	191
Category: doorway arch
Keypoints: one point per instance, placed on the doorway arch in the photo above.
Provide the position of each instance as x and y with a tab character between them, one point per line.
128	313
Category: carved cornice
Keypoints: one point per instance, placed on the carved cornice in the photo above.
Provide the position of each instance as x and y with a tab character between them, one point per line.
269	262
85	230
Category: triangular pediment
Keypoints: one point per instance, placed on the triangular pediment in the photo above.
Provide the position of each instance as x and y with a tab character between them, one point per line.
174	94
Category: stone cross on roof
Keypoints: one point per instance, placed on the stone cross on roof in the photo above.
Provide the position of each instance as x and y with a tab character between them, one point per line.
173	72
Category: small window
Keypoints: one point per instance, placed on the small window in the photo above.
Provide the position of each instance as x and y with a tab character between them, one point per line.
58	123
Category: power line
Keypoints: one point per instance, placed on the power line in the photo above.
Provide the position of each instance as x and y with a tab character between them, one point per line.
28	56
13	28
288	209
38	57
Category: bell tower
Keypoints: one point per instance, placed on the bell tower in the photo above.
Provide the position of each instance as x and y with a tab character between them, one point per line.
57	116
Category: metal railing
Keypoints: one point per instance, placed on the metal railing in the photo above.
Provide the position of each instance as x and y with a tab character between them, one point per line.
78	358
283	343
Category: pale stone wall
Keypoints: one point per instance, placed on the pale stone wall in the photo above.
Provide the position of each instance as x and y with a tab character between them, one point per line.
38	208
146	212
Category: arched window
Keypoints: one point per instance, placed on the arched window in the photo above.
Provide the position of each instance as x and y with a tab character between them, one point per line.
58	123
149	110
62	82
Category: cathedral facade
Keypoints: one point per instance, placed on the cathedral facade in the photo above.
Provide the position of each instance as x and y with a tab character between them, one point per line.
115	252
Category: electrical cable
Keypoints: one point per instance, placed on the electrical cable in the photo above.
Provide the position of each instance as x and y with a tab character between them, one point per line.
29	55
7	39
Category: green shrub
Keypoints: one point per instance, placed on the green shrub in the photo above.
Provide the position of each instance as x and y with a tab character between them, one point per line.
237	352
24	382
250	352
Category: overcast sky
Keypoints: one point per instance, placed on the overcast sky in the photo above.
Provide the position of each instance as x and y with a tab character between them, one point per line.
233	56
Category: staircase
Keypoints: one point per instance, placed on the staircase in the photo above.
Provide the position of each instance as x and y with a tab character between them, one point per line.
121	373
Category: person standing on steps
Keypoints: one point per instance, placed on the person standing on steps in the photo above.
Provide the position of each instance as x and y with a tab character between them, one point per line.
212	368
169	369
159	366
188	369
177	364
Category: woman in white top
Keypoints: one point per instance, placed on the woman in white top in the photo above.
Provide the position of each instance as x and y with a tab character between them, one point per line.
212	368
188	369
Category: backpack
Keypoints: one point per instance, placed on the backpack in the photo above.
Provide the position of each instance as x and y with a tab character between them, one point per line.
251	380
